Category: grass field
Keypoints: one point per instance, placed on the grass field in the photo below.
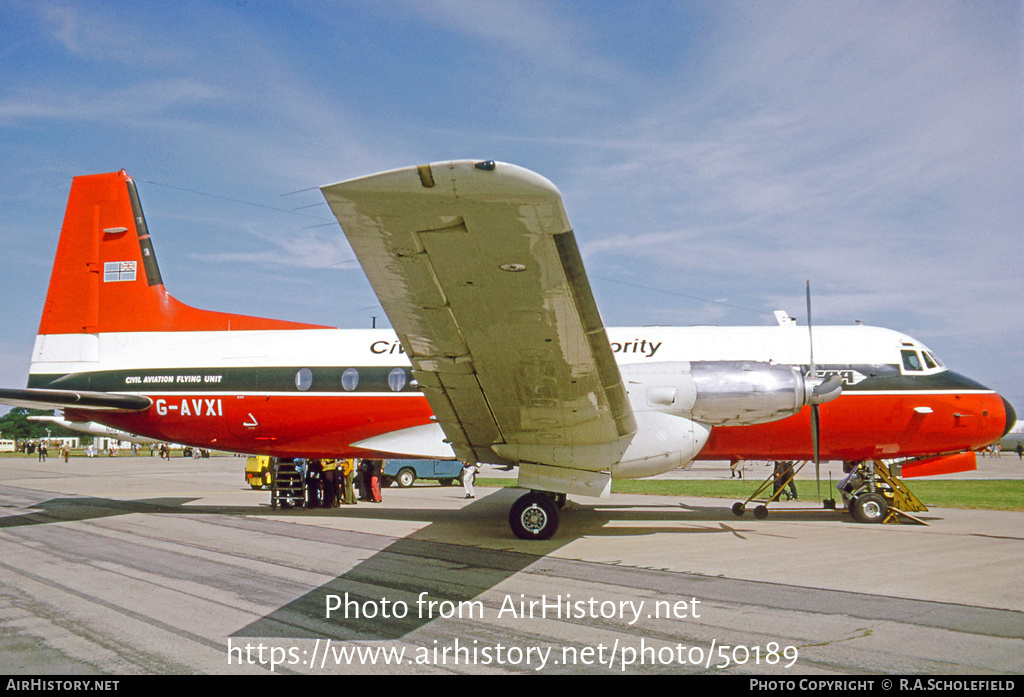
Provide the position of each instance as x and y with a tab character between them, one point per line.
990	494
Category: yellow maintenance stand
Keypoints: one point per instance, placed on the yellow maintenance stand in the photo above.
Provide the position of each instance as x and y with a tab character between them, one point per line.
873	493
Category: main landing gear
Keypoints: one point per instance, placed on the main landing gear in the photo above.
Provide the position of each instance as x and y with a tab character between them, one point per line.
535	516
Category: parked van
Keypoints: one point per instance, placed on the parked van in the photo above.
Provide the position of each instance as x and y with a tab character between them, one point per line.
405	472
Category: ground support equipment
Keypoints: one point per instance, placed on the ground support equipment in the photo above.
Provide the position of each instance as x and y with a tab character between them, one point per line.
288	487
779	481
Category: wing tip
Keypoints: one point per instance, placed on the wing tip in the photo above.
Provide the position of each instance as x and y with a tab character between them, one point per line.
459	177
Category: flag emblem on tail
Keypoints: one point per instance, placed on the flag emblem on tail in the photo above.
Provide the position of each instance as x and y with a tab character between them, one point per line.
119	271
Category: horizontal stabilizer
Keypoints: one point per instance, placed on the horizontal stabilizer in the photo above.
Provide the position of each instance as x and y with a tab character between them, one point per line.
73	399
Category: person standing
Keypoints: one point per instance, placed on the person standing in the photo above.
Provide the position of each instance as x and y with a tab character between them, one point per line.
376	470
348	471
469	470
363	479
784	478
330	485
314	483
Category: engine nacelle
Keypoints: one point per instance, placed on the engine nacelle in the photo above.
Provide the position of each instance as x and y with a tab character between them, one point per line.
721	393
741	393
662	442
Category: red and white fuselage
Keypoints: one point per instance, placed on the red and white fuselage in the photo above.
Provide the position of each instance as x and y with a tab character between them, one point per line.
315	392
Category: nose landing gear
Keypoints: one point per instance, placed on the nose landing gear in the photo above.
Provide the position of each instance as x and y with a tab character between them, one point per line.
874	493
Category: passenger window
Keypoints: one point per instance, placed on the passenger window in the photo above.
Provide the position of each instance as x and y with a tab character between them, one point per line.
911	361
350	379
396	379
304	379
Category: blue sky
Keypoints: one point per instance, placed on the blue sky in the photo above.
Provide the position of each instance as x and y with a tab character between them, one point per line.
713	156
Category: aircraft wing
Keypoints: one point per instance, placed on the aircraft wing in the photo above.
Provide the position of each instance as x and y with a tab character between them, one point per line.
478	271
39	398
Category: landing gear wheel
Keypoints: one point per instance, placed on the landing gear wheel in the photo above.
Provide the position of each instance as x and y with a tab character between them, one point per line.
761	512
738	509
869	508
534	516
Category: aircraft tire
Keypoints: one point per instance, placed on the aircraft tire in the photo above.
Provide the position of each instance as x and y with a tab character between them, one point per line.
534	516
869	508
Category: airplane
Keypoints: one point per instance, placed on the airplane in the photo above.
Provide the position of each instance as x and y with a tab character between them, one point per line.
94	429
498	354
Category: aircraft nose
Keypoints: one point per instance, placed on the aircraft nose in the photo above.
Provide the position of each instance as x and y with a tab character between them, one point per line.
1011	416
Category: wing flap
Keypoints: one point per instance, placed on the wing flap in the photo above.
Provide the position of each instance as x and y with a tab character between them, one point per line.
478	271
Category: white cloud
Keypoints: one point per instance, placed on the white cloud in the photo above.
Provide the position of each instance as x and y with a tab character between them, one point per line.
101	35
143	104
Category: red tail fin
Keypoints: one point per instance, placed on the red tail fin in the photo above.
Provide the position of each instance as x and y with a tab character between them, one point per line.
105	276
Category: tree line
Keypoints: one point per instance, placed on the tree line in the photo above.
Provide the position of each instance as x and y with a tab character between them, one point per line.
15	425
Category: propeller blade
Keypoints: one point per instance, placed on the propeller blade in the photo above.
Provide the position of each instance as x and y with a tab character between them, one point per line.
817	392
810	337
816	443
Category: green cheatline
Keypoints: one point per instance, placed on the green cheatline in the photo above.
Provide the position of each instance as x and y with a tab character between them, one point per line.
990	494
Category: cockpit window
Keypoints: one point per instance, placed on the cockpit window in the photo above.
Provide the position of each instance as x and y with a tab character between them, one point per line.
911	361
917	360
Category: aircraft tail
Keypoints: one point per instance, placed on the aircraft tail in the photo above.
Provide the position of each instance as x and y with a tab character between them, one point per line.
105	275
